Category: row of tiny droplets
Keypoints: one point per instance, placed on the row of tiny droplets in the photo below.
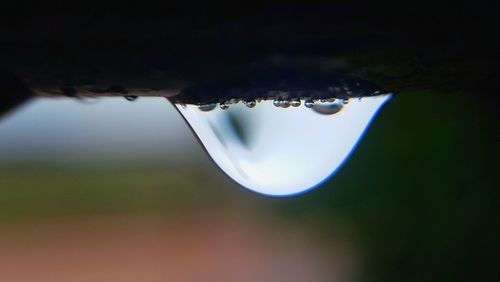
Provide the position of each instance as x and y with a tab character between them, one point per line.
280	103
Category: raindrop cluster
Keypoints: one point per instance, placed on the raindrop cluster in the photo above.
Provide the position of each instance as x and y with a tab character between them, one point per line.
279	103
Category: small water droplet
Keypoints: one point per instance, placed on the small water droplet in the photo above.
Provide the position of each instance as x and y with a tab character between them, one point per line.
224	105
345	101
327	108
207	107
250	103
253	146
130	98
285	103
309	103
277	103
295	103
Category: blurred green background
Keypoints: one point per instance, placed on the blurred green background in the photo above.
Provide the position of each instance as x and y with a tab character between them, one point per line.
417	201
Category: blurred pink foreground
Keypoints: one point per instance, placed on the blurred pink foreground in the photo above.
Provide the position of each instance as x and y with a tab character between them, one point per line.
205	248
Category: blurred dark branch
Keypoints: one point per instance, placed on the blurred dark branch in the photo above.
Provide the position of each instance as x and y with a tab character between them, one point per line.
59	50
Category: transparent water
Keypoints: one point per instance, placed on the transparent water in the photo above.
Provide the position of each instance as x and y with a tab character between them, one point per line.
281	147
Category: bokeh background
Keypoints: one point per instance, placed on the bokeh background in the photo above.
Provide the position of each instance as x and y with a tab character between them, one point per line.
111	190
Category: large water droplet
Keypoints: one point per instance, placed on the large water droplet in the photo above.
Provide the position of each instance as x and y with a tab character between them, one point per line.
277	151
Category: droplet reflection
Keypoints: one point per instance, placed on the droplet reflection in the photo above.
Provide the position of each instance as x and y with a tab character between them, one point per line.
277	151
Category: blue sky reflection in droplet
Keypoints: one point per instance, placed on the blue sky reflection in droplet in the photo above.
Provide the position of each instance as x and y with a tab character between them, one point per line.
281	151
